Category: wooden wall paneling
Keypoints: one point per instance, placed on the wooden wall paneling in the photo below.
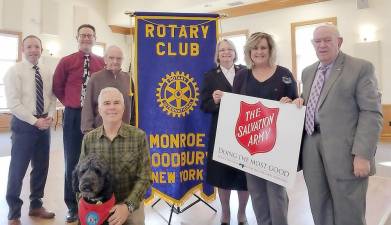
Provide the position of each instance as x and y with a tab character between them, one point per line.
5	119
122	30
386	132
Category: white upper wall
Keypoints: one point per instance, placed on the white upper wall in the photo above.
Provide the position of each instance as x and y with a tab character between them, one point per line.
116	8
278	22
30	15
349	19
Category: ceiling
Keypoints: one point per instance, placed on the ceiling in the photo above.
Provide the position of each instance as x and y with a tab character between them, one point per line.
116	8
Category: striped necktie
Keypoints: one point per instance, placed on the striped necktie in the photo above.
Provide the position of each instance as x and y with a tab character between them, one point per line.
86	76
312	103
39	104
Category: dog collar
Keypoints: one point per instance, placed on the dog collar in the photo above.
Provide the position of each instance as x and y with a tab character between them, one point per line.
95	214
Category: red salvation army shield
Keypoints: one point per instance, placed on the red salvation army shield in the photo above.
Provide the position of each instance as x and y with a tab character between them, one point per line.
255	128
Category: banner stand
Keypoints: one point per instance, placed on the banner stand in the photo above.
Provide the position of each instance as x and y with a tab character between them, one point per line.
172	51
178	210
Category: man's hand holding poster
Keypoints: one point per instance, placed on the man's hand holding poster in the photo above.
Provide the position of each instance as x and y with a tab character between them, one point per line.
259	136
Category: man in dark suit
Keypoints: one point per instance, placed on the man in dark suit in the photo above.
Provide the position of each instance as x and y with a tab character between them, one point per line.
342	127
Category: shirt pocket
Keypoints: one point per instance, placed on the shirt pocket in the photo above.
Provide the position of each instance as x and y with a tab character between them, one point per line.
128	164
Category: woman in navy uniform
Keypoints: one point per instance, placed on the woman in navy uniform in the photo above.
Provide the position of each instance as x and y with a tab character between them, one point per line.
225	178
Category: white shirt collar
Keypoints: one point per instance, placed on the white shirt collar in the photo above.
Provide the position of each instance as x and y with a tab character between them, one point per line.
227	70
229	73
29	64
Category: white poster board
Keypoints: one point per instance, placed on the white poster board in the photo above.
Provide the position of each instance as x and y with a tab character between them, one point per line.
259	136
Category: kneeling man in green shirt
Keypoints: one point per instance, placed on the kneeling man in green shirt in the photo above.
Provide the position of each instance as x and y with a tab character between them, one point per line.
125	149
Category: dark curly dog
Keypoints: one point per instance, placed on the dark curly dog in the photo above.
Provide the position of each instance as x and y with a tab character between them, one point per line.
92	179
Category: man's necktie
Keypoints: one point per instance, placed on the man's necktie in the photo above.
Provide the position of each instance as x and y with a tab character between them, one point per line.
86	77
39	104
313	99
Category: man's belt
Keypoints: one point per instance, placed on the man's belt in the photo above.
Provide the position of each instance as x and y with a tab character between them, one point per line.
316	128
41	116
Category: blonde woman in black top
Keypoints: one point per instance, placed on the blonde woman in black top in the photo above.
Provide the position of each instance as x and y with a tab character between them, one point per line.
265	79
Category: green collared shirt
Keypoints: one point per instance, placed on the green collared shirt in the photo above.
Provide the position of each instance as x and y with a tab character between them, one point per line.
128	158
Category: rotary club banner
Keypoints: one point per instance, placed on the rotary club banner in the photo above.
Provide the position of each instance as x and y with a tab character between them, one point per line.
173	51
259	136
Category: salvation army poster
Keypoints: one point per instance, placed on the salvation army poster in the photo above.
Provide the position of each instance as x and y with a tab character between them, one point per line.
259	136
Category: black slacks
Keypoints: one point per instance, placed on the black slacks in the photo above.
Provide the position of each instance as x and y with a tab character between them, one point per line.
72	138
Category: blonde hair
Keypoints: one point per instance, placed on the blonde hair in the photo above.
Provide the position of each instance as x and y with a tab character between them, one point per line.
216	58
253	41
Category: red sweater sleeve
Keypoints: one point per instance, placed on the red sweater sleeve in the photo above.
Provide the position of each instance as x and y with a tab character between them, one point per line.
59	83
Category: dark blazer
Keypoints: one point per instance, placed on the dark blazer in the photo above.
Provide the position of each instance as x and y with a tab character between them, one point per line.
214	80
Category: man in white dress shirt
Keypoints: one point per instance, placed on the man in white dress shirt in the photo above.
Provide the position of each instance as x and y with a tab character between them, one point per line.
28	89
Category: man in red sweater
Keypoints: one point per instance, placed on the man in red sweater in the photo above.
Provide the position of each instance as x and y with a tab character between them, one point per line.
69	85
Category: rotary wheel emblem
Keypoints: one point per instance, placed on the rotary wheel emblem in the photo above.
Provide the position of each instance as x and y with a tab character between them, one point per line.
177	94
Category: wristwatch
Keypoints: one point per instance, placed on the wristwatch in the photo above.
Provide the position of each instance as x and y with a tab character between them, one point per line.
130	206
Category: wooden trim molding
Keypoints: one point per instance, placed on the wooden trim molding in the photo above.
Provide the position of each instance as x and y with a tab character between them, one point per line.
101	44
386	132
19	34
235	33
332	20
263	7
239	11
122	30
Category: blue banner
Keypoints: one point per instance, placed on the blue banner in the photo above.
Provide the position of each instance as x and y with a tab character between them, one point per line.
173	51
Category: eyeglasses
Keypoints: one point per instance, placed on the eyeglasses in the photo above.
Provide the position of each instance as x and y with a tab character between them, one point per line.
89	36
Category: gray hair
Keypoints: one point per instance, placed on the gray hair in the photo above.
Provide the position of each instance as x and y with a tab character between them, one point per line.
108	90
333	28
113	47
216	58
252	41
